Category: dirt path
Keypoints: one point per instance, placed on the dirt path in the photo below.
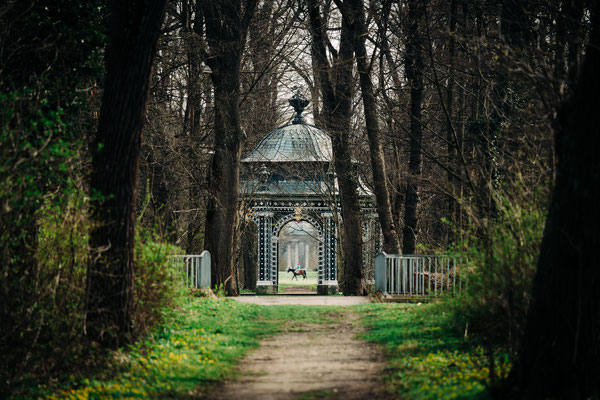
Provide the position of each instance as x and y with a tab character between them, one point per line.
303	300
317	361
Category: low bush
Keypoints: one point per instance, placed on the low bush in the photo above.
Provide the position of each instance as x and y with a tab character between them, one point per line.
502	255
158	283
47	296
46	337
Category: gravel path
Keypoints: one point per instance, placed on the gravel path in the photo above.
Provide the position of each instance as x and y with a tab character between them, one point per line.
316	361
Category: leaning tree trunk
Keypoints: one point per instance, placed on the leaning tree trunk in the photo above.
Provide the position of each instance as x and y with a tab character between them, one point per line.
391	244
226	29
337	96
560	353
414	72
116	150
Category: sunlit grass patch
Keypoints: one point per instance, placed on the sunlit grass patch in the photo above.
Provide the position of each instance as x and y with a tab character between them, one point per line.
287	278
307	288
427	357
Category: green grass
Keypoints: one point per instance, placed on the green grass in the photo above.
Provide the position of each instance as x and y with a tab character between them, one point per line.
283	286
200	345
285	279
202	342
427	357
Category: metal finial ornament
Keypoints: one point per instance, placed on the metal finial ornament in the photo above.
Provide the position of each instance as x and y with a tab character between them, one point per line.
299	102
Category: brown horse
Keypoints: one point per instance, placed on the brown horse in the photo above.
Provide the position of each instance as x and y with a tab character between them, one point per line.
297	272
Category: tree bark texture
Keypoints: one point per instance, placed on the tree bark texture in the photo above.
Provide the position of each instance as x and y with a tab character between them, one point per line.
452	145
250	255
396	189
194	29
560	352
135	28
226	29
336	89
414	66
574	13
391	244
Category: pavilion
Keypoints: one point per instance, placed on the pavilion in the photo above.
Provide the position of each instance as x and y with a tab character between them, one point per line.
289	177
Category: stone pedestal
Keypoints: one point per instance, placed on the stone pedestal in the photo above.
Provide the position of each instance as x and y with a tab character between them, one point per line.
265	288
327	288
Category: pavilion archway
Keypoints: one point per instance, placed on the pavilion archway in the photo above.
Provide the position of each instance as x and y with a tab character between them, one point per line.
322	251
271	221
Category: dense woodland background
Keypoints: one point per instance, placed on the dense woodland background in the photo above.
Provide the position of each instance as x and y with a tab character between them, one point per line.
465	115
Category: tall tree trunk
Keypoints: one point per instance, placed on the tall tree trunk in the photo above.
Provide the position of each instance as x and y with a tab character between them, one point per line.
414	65
221	217
451	136
397	190
194	30
391	244
560	352
135	28
336	90
226	29
250	254
574	13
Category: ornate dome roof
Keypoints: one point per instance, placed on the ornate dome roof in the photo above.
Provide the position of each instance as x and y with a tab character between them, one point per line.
294	143
297	142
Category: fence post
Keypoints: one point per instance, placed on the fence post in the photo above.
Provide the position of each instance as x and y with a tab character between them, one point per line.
380	273
197	268
205	269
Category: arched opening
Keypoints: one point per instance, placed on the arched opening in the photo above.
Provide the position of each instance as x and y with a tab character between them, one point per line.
298	251
270	224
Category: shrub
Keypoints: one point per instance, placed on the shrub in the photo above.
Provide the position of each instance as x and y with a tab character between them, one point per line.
502	256
46	338
158	284
43	228
47	297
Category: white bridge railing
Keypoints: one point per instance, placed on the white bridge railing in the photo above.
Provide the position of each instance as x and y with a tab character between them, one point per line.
196	269
417	275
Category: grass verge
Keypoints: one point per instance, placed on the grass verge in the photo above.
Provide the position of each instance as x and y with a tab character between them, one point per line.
286	281
199	345
428	358
308	288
